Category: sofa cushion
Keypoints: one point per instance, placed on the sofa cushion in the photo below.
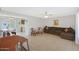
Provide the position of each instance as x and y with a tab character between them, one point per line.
68	36
66	30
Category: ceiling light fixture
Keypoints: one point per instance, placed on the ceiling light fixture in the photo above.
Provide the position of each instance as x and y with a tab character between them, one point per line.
46	15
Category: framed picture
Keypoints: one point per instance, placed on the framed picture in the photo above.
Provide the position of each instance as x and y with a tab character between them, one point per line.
22	25
56	22
23	21
22	29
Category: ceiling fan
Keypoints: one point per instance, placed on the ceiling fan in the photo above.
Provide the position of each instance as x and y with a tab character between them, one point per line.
46	15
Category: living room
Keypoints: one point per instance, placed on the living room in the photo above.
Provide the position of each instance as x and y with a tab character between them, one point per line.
22	19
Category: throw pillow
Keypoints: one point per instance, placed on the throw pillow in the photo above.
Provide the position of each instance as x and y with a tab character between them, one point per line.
66	30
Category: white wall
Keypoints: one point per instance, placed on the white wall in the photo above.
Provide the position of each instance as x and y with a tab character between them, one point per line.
65	21
35	22
77	29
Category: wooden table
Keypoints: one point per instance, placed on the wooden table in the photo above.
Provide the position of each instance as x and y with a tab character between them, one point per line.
10	42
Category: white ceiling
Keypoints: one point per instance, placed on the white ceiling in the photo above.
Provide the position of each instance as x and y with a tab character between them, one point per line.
40	11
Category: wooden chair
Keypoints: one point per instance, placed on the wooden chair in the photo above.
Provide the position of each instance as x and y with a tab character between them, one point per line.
40	30
33	32
4	49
